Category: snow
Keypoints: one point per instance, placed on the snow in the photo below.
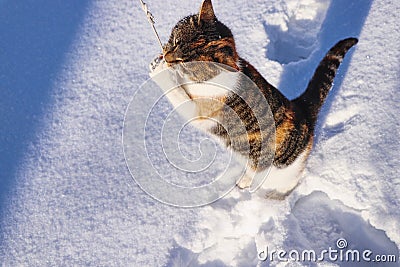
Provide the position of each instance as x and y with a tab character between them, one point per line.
68	75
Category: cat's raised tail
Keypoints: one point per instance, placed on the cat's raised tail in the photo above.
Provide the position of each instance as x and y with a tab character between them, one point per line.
320	84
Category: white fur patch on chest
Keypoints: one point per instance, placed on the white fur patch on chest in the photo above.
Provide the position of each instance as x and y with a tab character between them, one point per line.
184	94
218	86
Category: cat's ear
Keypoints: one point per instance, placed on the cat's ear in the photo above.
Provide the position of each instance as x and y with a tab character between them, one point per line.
206	13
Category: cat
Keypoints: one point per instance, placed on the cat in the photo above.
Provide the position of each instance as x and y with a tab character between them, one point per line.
203	38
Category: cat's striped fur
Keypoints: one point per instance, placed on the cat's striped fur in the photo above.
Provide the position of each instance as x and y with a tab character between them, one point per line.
201	37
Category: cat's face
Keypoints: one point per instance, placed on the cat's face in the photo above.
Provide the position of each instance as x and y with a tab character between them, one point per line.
201	37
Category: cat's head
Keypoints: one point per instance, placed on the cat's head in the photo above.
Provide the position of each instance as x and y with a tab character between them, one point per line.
201	37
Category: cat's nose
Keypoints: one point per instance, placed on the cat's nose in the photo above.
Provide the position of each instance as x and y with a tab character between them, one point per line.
171	57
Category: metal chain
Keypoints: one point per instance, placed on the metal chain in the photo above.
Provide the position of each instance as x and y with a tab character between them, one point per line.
151	20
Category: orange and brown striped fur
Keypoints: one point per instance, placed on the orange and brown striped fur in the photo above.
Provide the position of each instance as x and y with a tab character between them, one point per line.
202	37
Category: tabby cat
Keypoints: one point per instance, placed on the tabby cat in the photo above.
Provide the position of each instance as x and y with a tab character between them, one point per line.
202	37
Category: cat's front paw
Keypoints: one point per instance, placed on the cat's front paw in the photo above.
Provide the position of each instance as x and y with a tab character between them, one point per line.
157	65
244	182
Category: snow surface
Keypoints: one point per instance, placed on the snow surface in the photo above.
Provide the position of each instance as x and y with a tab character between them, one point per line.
67	74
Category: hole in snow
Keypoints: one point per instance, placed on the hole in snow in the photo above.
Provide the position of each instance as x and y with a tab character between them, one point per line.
285	47
293	31
318	222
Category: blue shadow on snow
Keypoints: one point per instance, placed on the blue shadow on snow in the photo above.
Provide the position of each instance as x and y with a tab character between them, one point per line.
34	37
343	19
